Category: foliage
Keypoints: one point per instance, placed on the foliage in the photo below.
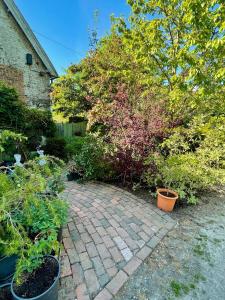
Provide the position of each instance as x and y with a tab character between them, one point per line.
111	64
74	145
155	89
91	162
69	93
31	213
33	257
174	62
9	139
38	123
51	172
182	45
97	77
11	237
17	117
56	146
196	159
132	134
11	109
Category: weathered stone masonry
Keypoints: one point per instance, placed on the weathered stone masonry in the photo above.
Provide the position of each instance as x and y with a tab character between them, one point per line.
13	77
31	81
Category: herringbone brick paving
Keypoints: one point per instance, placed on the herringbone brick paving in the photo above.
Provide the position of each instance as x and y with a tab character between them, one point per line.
109	234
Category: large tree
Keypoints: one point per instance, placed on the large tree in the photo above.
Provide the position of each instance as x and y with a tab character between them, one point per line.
69	93
182	44
170	50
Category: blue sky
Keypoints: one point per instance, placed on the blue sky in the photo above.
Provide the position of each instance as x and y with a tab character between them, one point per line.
67	22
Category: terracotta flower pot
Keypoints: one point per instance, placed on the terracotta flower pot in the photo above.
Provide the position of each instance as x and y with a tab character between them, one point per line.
166	199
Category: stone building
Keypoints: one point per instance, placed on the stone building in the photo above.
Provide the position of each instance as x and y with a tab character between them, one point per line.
23	62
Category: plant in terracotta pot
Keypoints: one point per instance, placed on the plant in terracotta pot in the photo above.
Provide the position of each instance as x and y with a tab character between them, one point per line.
166	199
193	158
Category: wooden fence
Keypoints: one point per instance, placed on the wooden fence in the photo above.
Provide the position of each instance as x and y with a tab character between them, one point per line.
68	130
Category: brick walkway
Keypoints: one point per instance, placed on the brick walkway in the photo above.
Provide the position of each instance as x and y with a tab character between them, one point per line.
109	234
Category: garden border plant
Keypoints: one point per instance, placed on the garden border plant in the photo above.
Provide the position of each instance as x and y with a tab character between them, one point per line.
32	214
179	76
192	159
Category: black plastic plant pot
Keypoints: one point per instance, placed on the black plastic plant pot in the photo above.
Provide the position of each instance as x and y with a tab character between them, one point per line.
5	292
50	294
73	176
7	267
70	177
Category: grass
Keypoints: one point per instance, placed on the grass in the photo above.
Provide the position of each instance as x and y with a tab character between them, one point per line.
199	250
180	288
199	277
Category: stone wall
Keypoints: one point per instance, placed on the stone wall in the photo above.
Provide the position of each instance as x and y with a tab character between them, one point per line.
13	77
32	82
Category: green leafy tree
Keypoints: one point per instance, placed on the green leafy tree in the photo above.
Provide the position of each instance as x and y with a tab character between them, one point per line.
98	76
170	50
182	43
169	54
69	93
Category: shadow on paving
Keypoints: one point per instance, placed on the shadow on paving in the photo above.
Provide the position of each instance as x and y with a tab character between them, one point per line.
190	262
109	234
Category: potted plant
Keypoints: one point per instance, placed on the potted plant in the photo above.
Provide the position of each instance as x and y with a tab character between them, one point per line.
42	215
7	267
37	272
7	257
29	208
5	292
45	211
73	173
166	199
31	215
11	240
10	245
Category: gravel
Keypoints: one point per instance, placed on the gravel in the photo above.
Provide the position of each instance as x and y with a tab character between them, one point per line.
190	261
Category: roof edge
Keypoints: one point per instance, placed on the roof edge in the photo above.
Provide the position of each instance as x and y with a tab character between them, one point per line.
25	27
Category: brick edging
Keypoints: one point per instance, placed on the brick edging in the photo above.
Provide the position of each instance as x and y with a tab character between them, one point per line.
119	280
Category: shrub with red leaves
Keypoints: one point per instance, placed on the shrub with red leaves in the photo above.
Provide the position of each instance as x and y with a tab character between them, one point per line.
134	134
